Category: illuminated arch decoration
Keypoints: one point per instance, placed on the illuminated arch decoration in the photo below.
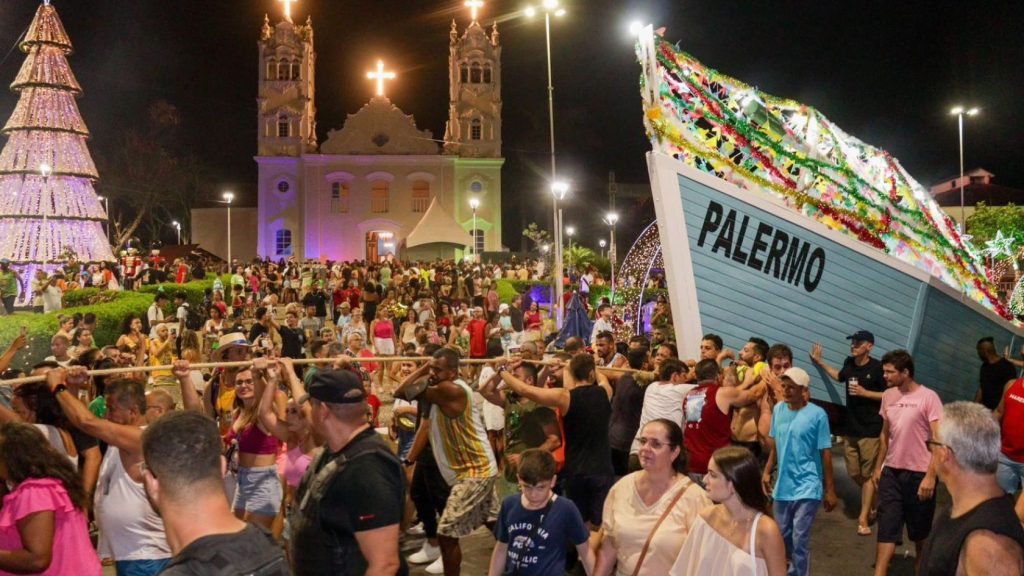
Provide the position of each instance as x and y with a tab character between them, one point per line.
634	272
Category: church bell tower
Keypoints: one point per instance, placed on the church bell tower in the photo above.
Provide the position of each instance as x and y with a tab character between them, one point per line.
474	112
287	110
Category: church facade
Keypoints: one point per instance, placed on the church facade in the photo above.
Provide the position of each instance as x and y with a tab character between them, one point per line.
379	185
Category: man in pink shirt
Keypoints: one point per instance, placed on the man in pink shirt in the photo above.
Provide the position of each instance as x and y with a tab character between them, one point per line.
905	474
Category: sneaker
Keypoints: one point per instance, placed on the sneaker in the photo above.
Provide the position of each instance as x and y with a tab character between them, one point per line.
416	530
436	568
425	554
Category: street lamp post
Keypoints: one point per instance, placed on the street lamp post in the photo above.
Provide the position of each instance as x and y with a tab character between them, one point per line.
45	170
611	219
551	7
602	244
959	113
177	226
570	231
229	197
558	192
474	203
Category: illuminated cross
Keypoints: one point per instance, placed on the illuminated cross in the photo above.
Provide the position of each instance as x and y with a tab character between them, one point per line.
380	76
288	9
473	5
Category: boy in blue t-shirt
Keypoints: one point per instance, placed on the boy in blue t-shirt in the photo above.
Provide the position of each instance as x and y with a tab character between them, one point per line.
534	527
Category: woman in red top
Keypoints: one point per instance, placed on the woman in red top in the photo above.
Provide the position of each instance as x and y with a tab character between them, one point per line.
259	495
532	321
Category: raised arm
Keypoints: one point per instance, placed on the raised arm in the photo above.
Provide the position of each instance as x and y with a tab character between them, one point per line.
552	397
269	378
490	390
820	362
12	350
189	397
124	437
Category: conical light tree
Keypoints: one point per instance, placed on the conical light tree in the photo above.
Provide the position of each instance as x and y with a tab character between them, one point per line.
48	206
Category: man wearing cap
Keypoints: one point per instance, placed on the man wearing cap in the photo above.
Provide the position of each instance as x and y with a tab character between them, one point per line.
9	283
350	502
801	445
862	375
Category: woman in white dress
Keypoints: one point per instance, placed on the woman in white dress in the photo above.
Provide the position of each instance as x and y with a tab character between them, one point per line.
734	537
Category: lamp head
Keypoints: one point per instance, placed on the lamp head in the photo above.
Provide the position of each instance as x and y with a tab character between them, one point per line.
570	230
474	203
530	11
973	111
229	196
560	189
602	243
956	111
635	27
45	169
176	224
612	218
550	4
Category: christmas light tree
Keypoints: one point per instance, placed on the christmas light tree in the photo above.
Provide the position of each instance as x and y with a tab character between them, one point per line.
48	206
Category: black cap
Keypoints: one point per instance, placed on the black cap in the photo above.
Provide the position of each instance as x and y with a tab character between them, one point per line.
337	387
862	336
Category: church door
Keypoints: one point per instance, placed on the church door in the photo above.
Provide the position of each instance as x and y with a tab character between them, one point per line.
372	240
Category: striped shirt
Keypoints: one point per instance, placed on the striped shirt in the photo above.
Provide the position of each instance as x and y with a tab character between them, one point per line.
460	444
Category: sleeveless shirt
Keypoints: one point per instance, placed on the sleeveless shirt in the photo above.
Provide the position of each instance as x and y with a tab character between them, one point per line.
941	554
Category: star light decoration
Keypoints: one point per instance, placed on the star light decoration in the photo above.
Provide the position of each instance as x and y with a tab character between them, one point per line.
999	246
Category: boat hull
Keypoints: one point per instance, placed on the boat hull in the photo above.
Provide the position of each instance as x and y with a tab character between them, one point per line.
740	263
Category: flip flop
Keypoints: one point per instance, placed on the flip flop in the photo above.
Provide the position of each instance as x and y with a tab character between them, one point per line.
863	530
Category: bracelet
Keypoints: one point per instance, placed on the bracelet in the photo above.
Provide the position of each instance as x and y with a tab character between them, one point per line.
302	399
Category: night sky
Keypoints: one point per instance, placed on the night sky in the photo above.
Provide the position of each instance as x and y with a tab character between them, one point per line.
886	73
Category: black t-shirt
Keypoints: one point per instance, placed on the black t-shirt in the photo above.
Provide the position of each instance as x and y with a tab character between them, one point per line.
627	403
586	432
257	330
318	300
251	550
426	456
369	493
862	417
993	379
292	341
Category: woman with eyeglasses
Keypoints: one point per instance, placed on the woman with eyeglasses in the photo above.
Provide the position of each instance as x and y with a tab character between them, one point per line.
648	514
736	536
259	495
43	528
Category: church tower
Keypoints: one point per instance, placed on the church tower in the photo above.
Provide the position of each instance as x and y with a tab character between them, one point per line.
287	111
474	111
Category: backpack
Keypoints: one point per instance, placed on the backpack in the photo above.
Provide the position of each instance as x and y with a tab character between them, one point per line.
193	320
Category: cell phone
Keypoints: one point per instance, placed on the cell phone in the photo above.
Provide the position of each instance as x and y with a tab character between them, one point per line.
24	330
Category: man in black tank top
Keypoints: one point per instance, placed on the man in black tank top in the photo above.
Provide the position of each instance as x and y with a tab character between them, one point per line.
979	533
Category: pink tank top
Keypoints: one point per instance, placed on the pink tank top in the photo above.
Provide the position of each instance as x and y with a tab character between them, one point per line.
295	466
383	330
252	440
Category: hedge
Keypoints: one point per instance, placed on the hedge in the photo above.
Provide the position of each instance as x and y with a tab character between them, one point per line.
109	306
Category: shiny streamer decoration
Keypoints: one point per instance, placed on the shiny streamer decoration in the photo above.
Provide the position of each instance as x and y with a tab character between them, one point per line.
753	140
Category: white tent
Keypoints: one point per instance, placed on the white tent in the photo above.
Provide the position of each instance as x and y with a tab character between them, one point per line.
437	227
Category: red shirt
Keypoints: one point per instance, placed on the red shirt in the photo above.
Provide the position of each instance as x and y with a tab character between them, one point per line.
477	338
707	428
1013	421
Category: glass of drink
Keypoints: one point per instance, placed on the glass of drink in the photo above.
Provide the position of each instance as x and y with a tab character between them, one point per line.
849	386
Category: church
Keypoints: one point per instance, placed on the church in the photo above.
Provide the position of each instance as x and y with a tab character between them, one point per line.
380	185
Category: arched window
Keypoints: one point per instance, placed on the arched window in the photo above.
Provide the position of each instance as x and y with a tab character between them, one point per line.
271	69
487	73
283	242
463	73
283	127
474	74
420	196
476	130
295	70
380	196
339	197
283	70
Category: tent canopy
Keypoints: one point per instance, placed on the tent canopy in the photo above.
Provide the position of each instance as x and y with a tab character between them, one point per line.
437	226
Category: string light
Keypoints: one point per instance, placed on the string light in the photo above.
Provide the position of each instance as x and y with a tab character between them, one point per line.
634	273
733	131
46	127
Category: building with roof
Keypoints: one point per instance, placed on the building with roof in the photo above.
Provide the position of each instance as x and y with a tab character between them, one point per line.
977	187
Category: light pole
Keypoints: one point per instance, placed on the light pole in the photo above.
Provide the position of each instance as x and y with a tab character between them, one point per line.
611	219
570	231
959	112
45	170
474	203
551	7
229	197
177	226
558	192
602	244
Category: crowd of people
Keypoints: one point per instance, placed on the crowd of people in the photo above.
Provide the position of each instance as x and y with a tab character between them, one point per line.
605	455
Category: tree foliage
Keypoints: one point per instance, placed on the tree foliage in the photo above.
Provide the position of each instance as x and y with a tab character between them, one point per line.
987	220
